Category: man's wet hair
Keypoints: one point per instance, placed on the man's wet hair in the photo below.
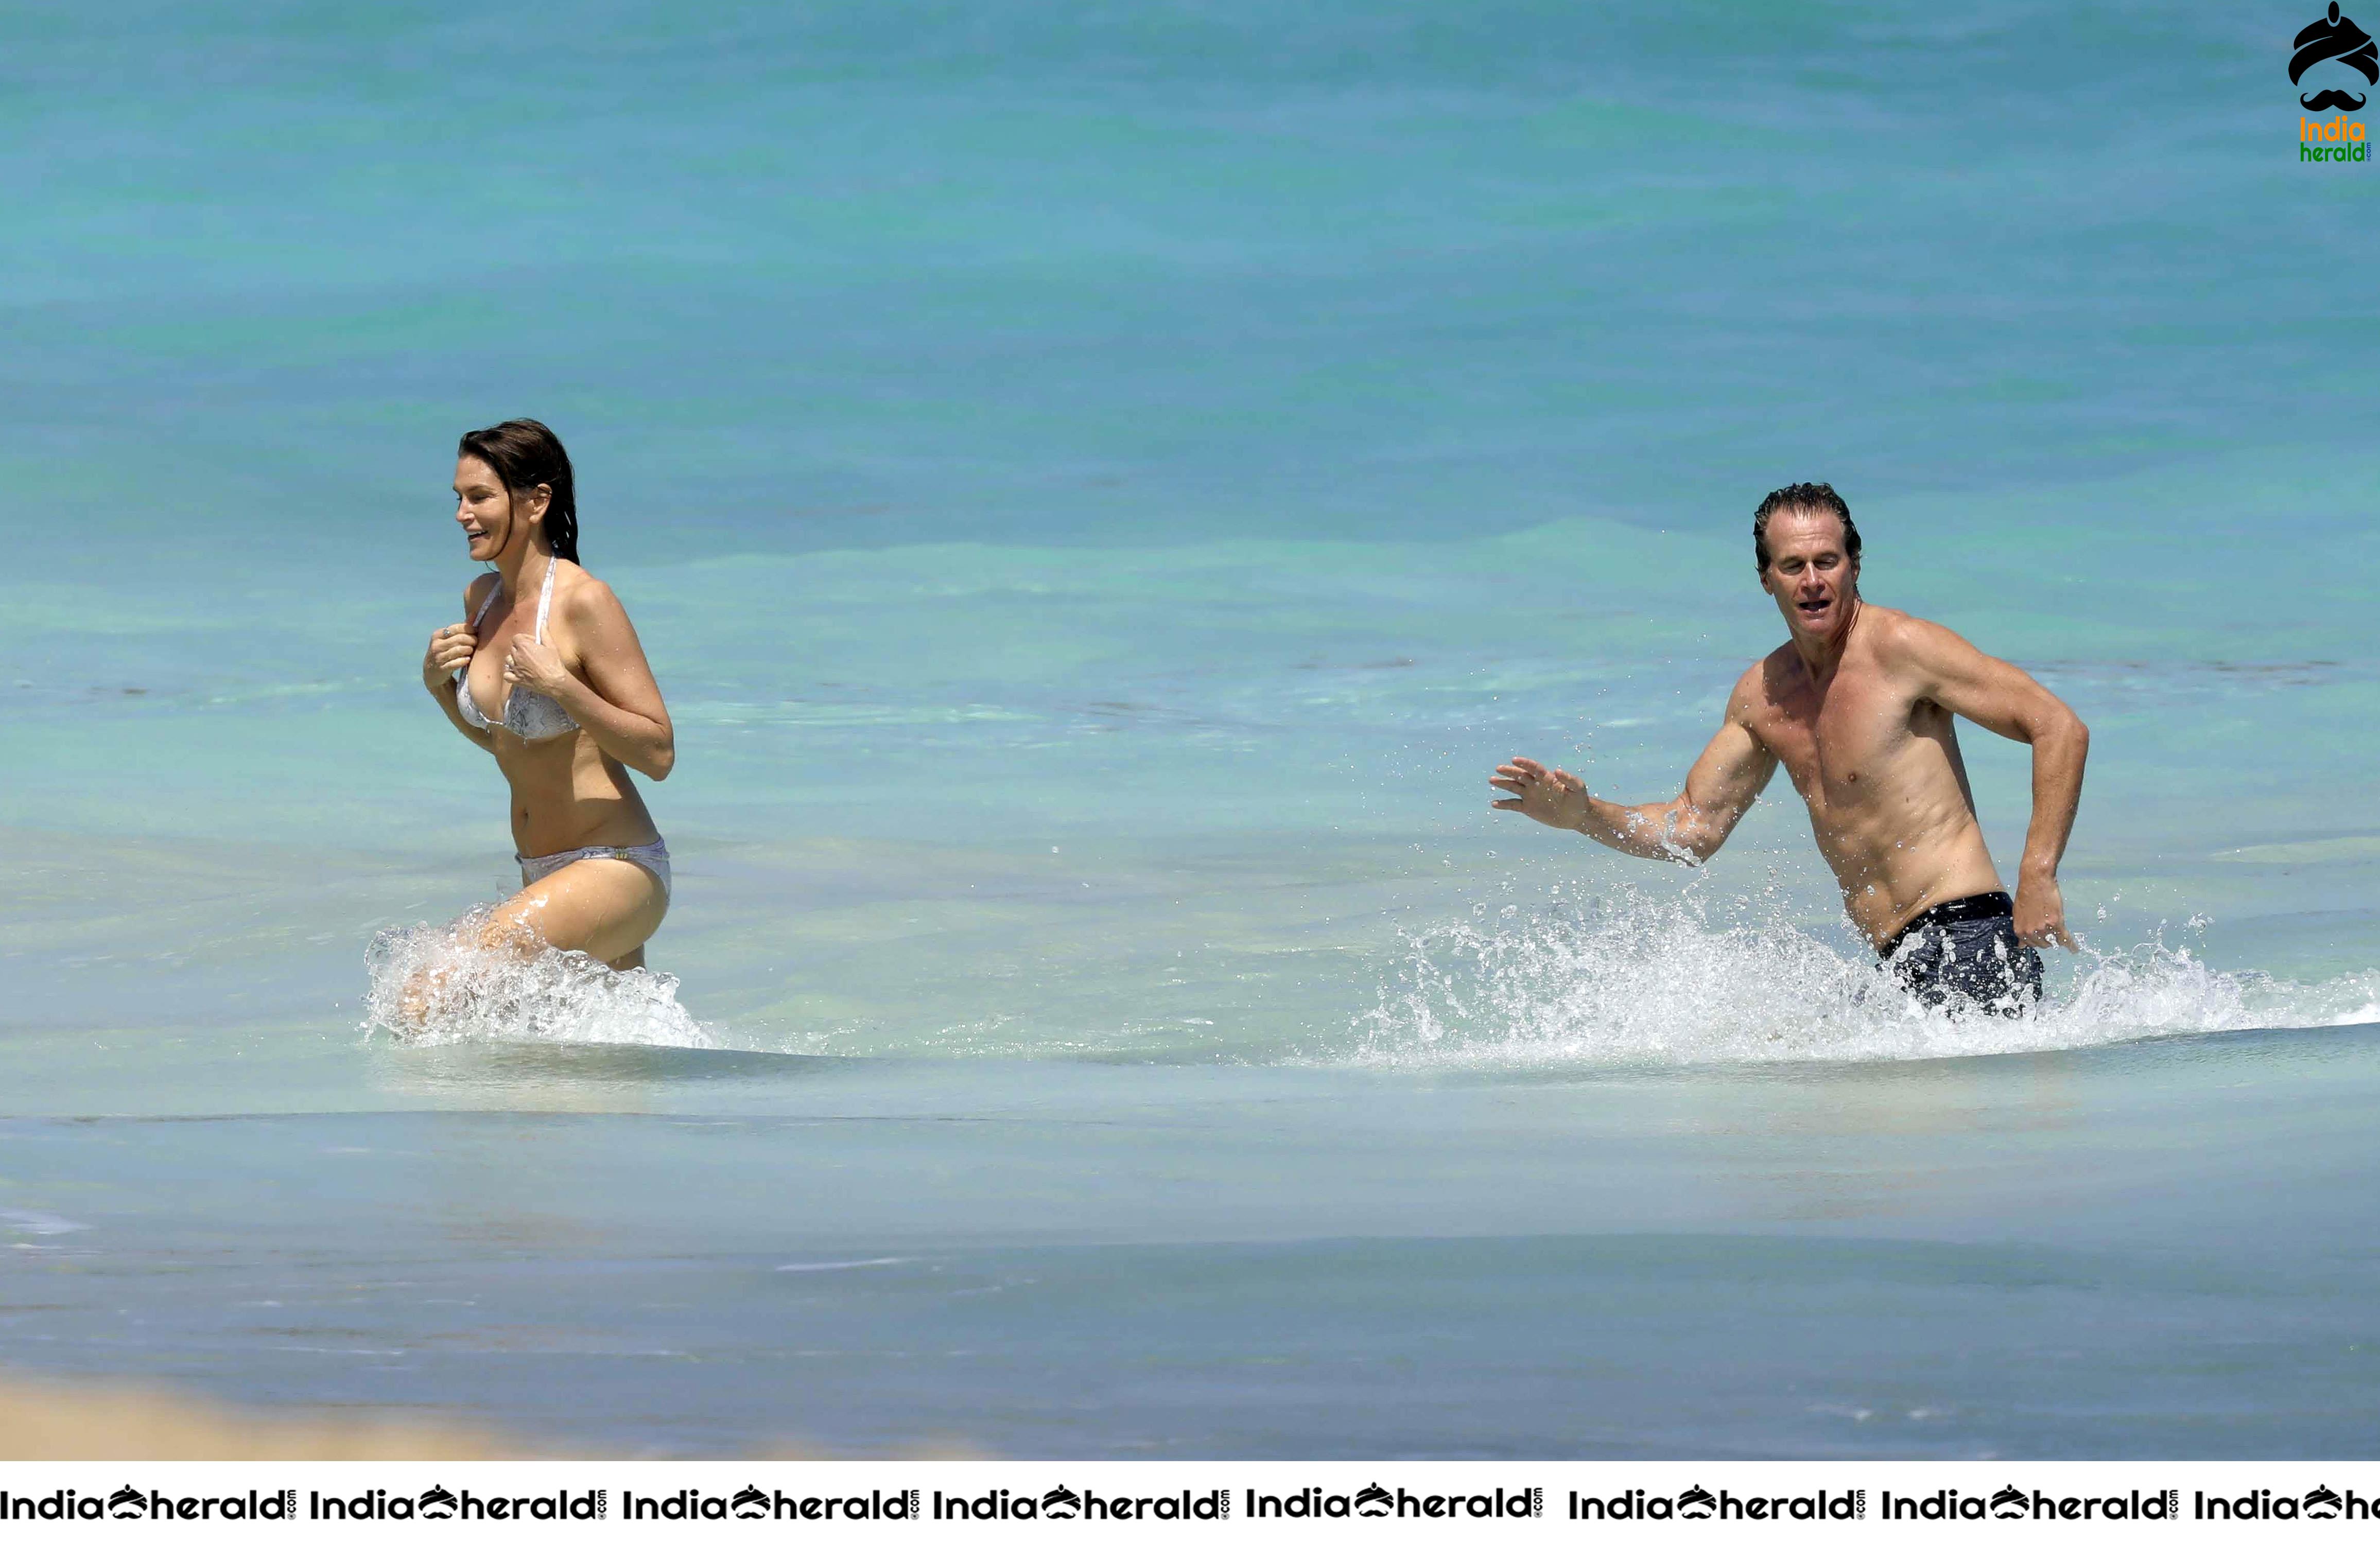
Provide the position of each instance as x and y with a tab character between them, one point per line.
1803	499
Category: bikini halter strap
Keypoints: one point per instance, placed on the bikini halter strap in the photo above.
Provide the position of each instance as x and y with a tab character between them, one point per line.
545	602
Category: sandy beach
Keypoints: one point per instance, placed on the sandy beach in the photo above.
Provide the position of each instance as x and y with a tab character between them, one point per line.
43	1419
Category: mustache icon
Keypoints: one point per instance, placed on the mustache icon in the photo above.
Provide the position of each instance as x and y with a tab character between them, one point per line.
2322	101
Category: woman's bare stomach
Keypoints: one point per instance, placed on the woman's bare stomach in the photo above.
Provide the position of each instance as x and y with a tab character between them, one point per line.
571	795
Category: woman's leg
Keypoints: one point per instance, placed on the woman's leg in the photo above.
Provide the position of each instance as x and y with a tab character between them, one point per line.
607	907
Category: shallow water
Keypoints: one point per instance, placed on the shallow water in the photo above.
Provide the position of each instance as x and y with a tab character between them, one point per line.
1101	487
687	1251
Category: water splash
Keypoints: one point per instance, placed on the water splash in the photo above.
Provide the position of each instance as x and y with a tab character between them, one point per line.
1623	979
434	984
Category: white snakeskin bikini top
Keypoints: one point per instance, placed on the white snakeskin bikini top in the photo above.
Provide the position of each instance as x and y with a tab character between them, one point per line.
530	715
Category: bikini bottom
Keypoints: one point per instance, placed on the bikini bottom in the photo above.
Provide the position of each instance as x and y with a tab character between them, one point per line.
653	858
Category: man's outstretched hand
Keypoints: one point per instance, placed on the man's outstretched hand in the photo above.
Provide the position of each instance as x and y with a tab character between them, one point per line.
1549	795
2041	913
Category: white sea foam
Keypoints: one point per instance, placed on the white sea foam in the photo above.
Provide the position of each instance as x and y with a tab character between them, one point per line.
1624	979
809	1267
434	984
40	1223
1615	978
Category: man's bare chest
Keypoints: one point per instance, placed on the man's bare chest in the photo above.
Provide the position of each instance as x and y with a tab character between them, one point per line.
1838	743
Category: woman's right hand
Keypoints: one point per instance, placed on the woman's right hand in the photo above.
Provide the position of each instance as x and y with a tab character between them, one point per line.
451	649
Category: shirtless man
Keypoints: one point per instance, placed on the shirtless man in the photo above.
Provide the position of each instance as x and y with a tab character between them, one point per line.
1859	706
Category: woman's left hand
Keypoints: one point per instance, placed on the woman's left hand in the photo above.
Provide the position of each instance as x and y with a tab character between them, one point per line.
533	663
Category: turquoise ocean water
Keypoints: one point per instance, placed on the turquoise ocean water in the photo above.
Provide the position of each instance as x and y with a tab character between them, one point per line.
1100	485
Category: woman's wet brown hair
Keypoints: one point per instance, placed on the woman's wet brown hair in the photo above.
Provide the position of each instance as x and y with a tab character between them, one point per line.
524	453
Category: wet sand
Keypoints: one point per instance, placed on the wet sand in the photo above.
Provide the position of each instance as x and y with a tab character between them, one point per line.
40	1420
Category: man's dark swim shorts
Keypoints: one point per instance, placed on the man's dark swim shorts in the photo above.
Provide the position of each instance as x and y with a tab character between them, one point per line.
1964	954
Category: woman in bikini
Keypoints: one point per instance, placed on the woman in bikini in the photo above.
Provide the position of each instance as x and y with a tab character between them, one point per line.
548	677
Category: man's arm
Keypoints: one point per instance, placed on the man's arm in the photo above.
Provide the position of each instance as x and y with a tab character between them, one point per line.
1723	783
2009	703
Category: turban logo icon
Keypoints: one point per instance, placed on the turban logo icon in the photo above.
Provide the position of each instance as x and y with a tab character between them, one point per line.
2334	37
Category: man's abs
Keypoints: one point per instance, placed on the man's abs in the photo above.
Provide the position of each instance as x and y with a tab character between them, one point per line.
1890	870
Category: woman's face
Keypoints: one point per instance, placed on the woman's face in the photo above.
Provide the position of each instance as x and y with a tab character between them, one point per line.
492	520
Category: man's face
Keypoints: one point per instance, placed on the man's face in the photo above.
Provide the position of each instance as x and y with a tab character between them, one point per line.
1814	580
